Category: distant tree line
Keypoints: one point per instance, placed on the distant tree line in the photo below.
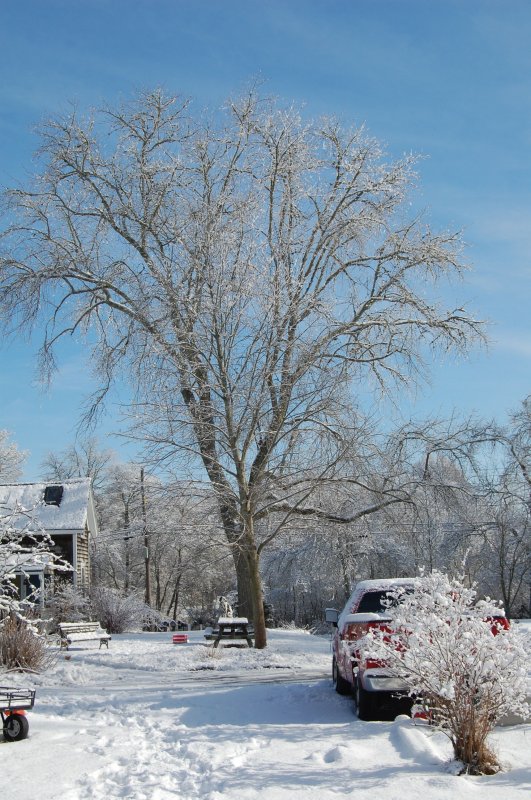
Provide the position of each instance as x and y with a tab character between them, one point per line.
465	499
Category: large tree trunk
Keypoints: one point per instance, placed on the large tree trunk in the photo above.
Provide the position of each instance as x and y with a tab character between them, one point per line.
250	594
238	538
249	582
255	584
243	582
260	633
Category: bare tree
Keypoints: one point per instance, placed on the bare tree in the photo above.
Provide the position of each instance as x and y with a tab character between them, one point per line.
247	271
11	458
406	500
505	486
477	489
118	550
83	459
182	530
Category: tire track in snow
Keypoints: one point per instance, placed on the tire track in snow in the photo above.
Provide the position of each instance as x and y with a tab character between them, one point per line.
147	756
170	680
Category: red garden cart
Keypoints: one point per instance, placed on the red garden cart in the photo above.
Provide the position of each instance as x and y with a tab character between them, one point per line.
14	703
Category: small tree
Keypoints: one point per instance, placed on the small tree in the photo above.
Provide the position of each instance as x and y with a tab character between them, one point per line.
465	668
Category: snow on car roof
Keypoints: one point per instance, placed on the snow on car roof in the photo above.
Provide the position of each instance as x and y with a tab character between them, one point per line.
373	585
377	584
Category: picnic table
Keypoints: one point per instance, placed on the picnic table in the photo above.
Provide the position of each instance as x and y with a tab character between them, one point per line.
233	629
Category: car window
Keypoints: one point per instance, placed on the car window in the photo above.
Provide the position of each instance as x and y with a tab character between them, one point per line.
378	601
373	601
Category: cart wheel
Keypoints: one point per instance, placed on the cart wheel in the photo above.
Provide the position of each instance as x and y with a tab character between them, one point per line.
16	727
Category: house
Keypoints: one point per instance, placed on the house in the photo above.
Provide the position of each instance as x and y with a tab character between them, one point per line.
65	510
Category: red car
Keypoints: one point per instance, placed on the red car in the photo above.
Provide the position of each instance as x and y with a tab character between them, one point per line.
377	693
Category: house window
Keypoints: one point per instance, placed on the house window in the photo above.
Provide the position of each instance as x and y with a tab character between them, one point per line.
53	495
29	587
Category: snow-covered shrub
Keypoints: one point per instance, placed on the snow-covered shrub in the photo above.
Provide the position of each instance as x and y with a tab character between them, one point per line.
116	612
68	604
23	546
464	671
21	646
292	626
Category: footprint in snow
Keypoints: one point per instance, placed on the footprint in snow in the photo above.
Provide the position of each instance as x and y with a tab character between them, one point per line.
336	754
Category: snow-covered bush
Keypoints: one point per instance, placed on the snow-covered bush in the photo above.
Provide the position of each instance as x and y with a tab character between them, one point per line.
465	671
22	647
22	545
116	612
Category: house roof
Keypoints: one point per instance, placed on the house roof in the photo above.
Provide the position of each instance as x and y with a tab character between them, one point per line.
72	514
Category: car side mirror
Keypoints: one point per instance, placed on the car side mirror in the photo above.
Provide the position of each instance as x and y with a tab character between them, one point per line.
332	615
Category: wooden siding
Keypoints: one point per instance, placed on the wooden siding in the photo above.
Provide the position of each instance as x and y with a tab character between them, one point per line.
83	563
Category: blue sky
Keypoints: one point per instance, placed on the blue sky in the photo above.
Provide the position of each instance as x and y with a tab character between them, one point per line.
449	80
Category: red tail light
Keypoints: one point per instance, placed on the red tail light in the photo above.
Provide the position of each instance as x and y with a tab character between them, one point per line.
372	663
381	626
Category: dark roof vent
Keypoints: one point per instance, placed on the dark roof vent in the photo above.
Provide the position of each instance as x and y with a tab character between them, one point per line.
53	495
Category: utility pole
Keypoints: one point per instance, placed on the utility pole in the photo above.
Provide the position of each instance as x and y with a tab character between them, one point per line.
146	540
127	536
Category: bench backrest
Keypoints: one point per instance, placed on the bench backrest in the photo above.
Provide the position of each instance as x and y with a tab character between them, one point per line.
79	627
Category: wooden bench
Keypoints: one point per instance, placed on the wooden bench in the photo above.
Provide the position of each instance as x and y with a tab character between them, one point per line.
71	632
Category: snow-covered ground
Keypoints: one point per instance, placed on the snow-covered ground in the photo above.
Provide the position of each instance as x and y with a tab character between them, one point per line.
149	720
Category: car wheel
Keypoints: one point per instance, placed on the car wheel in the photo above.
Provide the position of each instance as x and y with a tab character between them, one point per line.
341	685
364	702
